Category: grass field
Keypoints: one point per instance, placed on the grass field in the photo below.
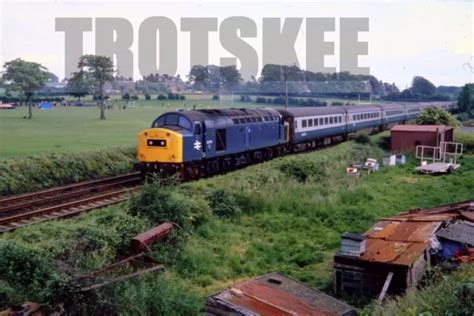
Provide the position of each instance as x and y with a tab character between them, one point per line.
67	129
78	129
284	215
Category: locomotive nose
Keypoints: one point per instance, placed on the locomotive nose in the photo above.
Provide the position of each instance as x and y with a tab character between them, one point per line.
160	145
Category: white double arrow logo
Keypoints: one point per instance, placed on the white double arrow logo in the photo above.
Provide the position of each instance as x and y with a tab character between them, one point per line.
197	145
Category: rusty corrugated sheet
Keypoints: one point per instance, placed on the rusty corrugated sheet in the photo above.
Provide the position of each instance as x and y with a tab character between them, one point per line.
383	251
411	254
276	294
413	231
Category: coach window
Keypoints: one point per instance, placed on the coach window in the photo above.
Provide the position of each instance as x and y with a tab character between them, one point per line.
321	121
331	120
310	122
304	123
326	120
315	122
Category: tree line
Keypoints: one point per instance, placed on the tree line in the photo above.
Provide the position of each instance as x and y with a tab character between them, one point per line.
96	74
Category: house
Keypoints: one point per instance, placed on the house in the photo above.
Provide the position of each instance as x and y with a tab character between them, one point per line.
406	137
274	294
404	246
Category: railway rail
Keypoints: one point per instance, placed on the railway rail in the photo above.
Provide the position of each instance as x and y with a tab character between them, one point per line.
65	201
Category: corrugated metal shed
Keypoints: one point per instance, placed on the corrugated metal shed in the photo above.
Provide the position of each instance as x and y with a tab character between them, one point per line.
401	244
275	294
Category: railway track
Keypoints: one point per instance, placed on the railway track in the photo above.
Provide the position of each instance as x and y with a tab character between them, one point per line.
65	201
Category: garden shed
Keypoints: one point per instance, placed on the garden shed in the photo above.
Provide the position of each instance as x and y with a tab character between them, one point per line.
405	138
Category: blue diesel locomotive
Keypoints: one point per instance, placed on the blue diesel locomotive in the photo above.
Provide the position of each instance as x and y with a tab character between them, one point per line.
197	143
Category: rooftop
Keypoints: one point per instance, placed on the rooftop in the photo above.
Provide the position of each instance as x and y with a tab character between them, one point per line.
403	238
420	128
277	294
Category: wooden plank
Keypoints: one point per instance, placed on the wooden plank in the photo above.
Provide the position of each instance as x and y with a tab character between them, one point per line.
385	286
122	278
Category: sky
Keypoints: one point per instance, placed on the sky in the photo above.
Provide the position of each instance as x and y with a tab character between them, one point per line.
428	38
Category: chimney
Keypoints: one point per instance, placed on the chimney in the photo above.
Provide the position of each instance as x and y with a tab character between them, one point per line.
352	244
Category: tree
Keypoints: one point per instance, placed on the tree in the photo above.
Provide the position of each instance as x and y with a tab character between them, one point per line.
423	87
78	86
99	70
25	77
466	98
435	116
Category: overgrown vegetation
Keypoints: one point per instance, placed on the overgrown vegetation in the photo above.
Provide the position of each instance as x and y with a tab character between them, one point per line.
18	175
283	215
465	138
450	295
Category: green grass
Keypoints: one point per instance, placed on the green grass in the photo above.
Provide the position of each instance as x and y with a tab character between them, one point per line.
269	219
78	129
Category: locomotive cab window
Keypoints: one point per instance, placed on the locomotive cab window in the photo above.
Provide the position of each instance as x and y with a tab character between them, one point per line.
304	123
173	120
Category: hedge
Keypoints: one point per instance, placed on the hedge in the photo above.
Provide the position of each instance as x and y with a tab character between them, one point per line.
31	173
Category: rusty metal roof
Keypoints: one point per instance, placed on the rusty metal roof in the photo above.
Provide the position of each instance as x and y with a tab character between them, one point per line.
402	239
420	128
277	294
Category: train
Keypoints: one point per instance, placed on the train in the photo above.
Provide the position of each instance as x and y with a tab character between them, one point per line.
197	143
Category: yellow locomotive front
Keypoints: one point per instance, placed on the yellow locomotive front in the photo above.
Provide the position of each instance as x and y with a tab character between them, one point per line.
160	145
161	148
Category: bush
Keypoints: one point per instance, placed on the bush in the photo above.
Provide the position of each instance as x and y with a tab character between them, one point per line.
182	97
384	142
362	138
126	97
161	97
30	173
161	204
215	97
261	100
337	103
223	203
172	96
26	272
299	170
147	96
134	97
